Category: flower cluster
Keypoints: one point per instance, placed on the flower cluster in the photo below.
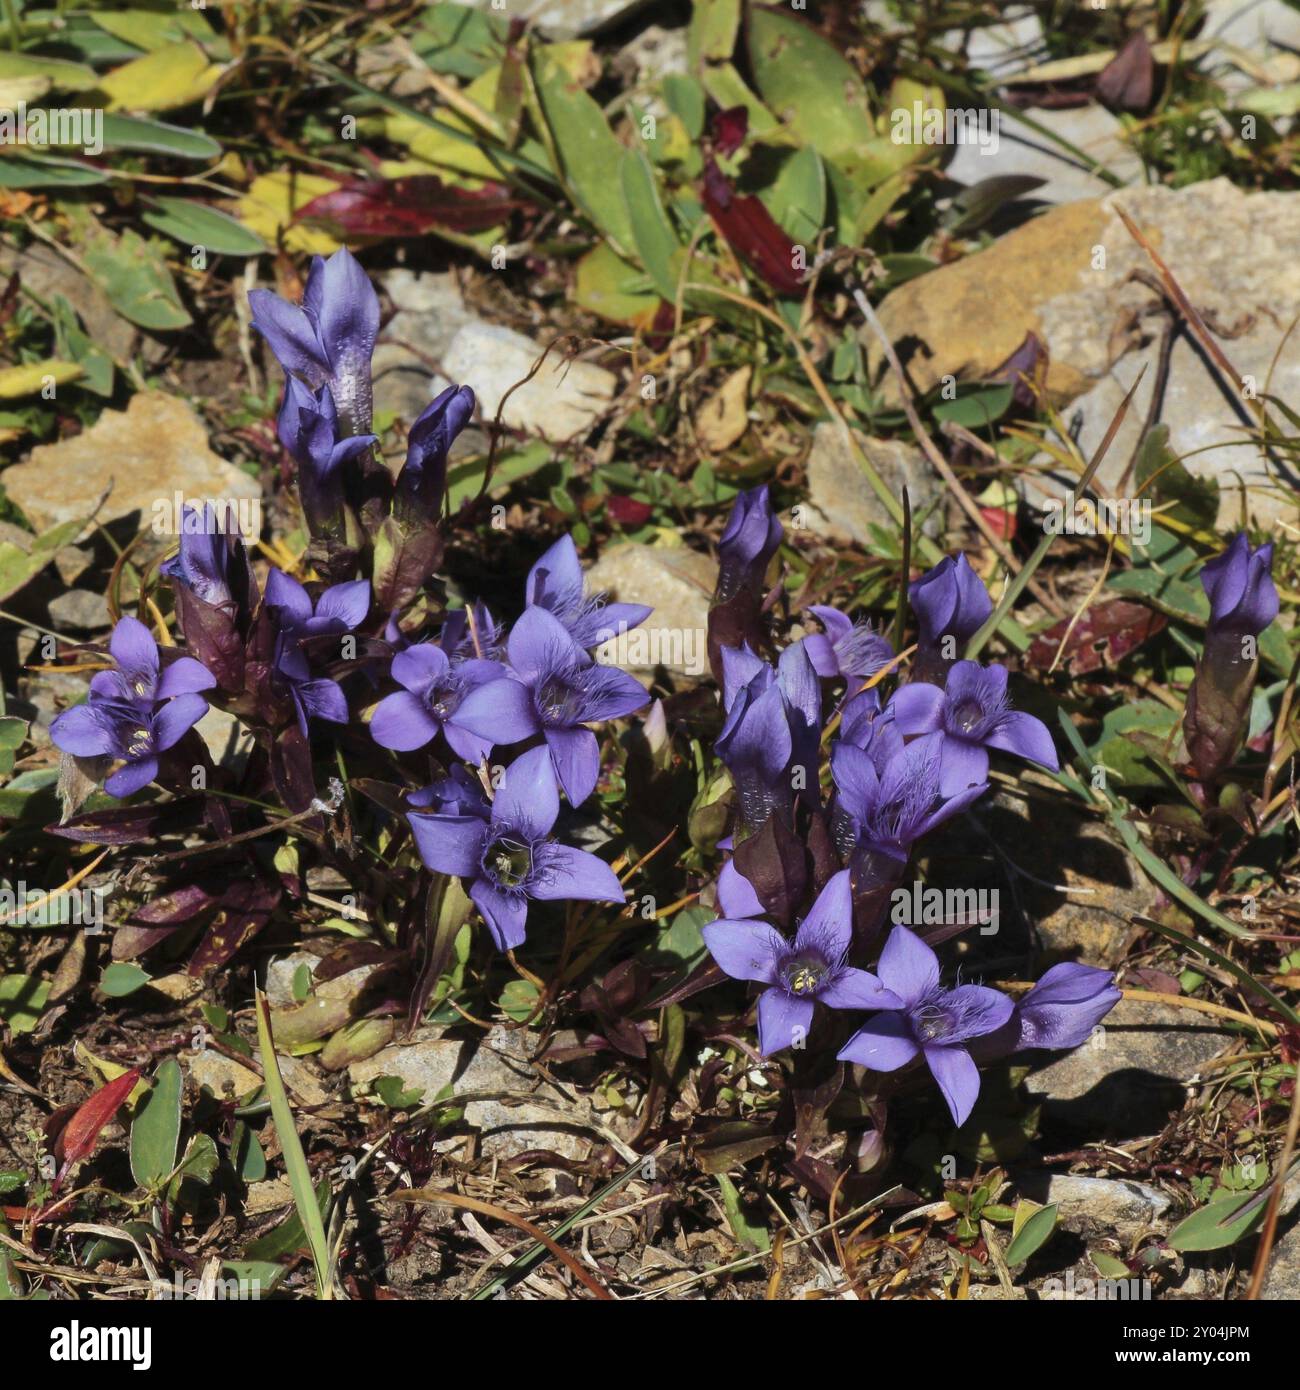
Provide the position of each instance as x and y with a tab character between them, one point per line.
136	711
288	656
898	768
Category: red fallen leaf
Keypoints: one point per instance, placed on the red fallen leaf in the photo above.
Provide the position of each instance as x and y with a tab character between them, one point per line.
1126	83
1001	521
79	1135
408	207
751	232
627	511
1102	637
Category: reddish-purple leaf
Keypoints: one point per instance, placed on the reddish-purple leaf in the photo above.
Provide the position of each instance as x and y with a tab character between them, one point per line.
627	511
242	911
1127	82
729	129
408	207
127	825
1104	635
751	232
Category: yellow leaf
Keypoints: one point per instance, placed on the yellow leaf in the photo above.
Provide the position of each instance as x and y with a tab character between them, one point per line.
270	203
101	1070
27	380
173	76
16	91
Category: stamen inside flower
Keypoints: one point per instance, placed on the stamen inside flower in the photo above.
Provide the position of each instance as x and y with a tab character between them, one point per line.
509	861
804	974
931	1022
558	702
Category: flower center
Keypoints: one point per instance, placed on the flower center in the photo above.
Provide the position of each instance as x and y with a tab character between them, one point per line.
509	861
931	1022
804	974
967	716
558	702
444	700
141	741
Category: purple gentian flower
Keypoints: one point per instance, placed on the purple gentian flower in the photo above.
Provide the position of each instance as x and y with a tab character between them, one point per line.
809	968
134	713
1239	585
951	605
508	856
339	609
862	718
139	676
328	339
933	1022
210	557
845	649
423	479
1065	1006
557	689
556	583
308	427
750	540
433	688
972	715
891	794
772	728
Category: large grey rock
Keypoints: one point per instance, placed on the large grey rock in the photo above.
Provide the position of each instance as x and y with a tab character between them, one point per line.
407	363
1133	1073
1283	1278
1066	276
1019	150
562	401
525	1111
1101	1206
146	454
678	584
79	610
842	504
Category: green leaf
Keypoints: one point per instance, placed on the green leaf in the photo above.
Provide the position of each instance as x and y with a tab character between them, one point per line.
975	410
1218	1225
196	224
1032	1235
1161	477
608	286
656	242
711	35
12	733
22	999
122	978
295	1161
751	1235
686	100
156	1129
63	76
22	171
199	1165
518	1000
587	154
134	276
797	198
394	1094
158	137
809	84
